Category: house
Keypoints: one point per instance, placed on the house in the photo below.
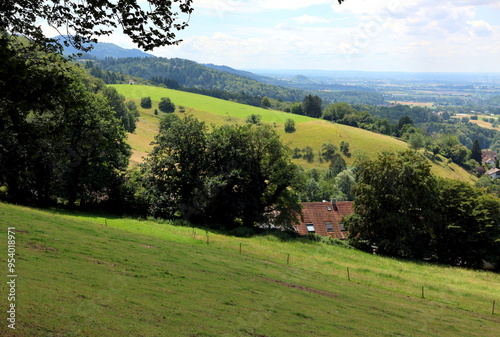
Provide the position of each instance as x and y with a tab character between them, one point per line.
131	82
493	173
489	157
324	218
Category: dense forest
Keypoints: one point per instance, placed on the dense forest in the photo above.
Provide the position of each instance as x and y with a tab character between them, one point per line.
193	75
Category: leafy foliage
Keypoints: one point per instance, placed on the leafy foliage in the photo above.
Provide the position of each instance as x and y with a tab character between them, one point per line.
233	176
60	138
146	103
87	20
393	200
405	211
166	105
289	125
254	119
311	106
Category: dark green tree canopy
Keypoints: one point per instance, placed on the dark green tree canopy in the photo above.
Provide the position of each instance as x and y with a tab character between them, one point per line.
166	105
233	176
311	106
289	125
146	102
393	201
149	25
406	211
476	153
59	137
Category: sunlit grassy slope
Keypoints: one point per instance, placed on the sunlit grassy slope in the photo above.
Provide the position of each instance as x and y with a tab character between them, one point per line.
309	131
84	275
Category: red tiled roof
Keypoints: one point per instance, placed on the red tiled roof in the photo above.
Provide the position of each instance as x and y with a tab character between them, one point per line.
320	213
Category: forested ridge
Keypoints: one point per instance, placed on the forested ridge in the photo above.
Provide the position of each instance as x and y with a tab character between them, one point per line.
193	75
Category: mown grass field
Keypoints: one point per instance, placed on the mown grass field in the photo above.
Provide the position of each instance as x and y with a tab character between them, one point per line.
480	121
309	131
88	275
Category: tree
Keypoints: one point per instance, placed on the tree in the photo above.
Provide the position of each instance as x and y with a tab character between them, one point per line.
296	108
404	123
233	176
328	150
167	121
254	119
60	139
173	171
394	200
417	141
337	111
467	227
265	102
148	26
249	176
337	165
289	125
476	153
117	103
308	154
166	105
344	147
311	106
146	103
132	107
345	181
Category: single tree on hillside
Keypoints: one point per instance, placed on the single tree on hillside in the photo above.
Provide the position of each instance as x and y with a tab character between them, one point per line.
146	103
311	106
476	153
289	125
166	105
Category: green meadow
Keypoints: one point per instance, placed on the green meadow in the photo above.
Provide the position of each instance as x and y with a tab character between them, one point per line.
311	132
92	275
206	103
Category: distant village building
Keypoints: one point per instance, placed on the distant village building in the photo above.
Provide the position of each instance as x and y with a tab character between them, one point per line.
324	218
489	157
493	173
131	82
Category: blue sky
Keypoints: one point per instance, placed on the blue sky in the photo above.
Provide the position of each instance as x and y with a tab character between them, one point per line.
371	35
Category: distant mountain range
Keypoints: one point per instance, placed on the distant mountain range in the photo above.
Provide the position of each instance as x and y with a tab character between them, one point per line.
103	50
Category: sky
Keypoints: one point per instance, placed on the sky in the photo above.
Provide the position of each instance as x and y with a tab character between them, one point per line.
366	35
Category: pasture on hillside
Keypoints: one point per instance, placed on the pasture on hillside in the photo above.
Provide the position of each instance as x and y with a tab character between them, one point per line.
311	132
94	275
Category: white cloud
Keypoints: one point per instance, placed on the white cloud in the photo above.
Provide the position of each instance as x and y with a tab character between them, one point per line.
254	6
480	28
308	19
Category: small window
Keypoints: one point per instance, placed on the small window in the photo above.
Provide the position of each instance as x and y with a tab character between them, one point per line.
329	208
310	228
329	226
342	226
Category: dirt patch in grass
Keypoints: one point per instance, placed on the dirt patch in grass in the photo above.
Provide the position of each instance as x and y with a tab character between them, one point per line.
38	246
306	289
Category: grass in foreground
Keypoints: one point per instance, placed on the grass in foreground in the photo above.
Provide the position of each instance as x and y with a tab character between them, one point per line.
84	275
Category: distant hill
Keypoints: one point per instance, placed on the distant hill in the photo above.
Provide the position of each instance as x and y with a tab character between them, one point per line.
102	50
310	131
263	79
190	74
216	80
